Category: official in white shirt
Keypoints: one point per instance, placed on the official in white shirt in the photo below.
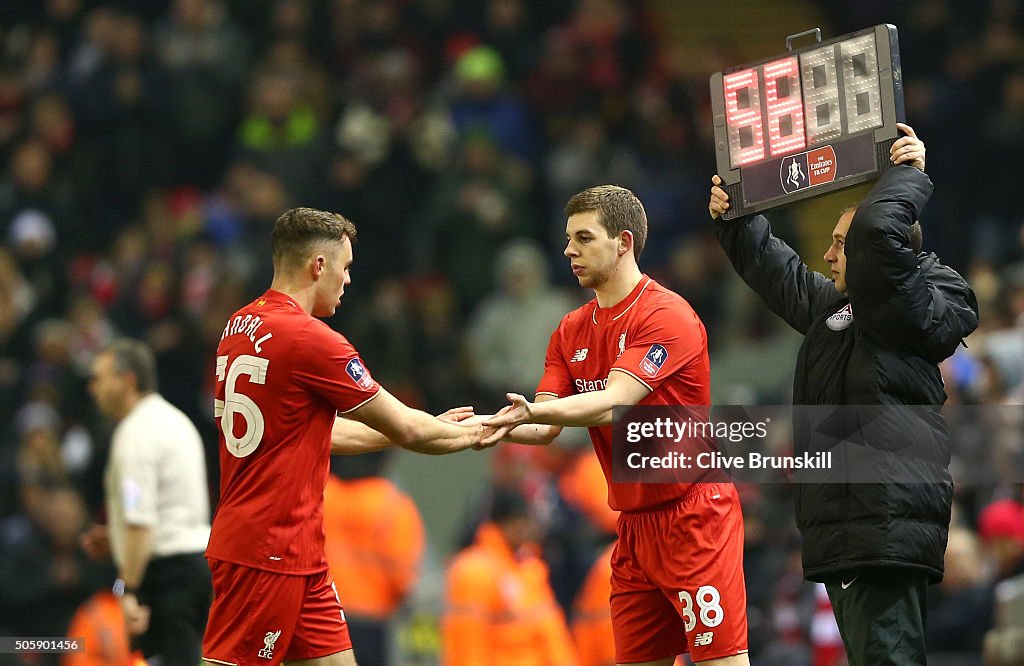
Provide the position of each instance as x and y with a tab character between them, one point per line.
158	509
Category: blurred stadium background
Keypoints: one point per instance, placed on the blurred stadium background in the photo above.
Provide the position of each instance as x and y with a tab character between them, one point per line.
148	145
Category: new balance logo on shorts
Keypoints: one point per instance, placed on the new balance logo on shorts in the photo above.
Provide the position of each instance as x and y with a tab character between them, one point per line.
703	639
580	355
268	644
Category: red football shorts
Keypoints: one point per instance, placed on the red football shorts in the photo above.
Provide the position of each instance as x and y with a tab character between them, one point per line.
263	618
677	579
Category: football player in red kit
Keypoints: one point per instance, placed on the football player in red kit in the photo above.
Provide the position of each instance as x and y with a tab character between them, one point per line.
677	567
282	378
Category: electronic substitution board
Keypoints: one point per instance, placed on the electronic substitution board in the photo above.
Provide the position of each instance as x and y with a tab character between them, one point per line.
811	121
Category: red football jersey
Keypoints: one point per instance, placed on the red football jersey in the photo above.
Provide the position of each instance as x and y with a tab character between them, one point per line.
282	376
653	335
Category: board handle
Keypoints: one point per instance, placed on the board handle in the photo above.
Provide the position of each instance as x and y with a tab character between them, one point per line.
813	31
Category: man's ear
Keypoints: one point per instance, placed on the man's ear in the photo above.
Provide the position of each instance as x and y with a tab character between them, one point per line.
625	242
317	266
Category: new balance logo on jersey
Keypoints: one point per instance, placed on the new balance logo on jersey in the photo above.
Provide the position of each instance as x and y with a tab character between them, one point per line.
703	639
268	644
580	355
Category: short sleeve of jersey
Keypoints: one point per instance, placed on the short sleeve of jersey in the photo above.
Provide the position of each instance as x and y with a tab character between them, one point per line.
328	365
556	381
669	339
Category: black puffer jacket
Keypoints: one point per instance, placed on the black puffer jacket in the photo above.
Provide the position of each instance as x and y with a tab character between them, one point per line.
877	345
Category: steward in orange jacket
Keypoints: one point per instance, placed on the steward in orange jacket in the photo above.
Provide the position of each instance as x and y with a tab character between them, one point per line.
99	624
500	607
592	615
374	544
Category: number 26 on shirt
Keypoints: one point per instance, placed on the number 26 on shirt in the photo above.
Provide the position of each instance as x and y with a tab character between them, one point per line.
234	402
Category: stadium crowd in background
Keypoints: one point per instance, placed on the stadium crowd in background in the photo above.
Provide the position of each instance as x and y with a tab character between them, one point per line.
146	148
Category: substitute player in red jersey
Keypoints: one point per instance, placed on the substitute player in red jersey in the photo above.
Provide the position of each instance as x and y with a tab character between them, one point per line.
282	377
677	567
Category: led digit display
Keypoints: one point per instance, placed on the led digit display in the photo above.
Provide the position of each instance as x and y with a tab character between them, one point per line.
860	79
743	111
821	95
808	121
785	110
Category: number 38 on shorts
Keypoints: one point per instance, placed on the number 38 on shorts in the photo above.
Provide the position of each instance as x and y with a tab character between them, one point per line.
708	607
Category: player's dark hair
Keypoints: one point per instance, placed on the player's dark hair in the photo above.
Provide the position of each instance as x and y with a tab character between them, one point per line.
916	234
135	357
298	230
618	210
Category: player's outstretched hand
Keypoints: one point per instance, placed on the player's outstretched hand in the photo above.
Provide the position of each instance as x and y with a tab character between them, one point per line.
457	414
520	410
719	199
908	149
493	434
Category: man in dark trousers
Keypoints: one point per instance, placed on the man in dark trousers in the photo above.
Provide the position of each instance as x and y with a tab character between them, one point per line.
874	335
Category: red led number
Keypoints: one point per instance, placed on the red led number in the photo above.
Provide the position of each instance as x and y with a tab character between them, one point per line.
743	117
785	107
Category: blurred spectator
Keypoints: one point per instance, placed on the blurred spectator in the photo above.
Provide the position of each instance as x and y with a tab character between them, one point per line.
1001	528
40	467
440	371
997	233
125	105
499	604
12	100
387	325
592	616
960	608
392	141
826	642
281	135
483	102
472	211
42	69
506	28
508	334
205	55
99	623
584	156
37	218
53	122
375	562
583	486
43	573
556	88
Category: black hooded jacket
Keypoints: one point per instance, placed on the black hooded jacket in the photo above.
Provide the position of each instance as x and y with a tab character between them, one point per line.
877	348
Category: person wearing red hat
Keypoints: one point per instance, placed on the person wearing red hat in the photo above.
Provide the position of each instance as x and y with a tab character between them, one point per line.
1001	528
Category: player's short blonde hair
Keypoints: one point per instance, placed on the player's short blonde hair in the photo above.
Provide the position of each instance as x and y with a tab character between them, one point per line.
618	210
298	231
